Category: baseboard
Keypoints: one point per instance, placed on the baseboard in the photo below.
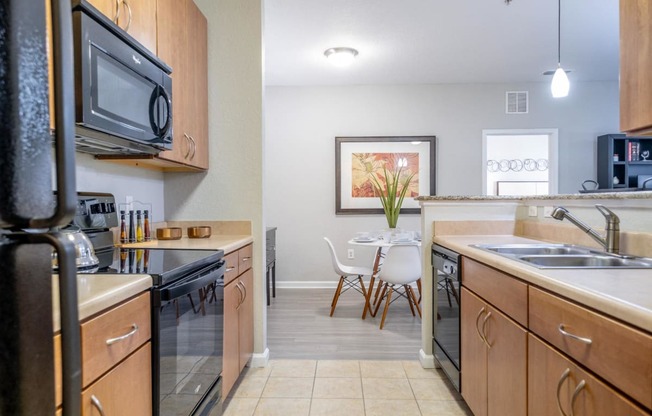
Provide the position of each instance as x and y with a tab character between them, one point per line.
426	360
298	284
259	360
323	284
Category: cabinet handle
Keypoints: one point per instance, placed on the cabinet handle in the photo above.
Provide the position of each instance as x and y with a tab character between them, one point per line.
246	259
189	145
134	329
562	330
241	300
193	147
563	377
229	269
245	290
96	403
117	11
128	11
477	323
484	329
575	394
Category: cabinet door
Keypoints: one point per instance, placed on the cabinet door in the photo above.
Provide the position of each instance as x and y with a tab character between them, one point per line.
138	18
198	56
635	63
473	353
246	322
171	48
182	44
550	371
506	365
107	7
231	358
125	390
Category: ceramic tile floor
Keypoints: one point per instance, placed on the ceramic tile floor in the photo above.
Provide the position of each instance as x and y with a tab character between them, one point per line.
350	388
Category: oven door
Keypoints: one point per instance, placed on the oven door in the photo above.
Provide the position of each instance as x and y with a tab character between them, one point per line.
188	322
119	91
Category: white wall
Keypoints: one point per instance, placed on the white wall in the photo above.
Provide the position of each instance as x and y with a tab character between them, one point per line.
144	185
302	122
232	188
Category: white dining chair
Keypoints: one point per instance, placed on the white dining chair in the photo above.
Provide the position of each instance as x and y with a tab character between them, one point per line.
401	268
350	277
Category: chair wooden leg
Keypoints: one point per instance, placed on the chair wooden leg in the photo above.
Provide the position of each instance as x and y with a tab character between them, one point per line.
409	298
380	283
414	297
364	291
367	305
387	302
337	295
382	295
419	287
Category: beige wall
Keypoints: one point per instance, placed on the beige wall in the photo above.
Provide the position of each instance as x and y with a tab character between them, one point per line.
232	189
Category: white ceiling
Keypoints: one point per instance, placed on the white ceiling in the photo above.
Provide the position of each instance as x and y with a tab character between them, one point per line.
439	41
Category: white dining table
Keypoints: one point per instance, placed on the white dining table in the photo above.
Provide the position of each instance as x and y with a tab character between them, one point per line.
379	244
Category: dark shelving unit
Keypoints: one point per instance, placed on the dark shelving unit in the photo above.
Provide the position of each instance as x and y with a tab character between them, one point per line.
627	168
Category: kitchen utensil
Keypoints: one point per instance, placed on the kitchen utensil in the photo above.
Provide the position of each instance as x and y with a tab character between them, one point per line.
169	233
202	231
84	252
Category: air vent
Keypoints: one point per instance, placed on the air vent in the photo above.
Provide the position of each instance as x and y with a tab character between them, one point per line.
516	102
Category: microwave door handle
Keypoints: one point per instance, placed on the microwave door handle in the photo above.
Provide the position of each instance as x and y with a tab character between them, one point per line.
160	92
64	117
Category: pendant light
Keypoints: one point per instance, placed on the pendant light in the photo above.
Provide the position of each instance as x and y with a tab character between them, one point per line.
560	84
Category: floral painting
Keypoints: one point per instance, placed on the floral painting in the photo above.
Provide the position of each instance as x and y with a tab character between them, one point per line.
366	165
361	164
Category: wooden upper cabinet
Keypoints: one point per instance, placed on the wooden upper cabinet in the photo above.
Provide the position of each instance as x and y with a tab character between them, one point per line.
182	44
136	17
635	63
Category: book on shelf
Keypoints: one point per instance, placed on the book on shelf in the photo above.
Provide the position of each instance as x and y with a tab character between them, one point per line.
633	151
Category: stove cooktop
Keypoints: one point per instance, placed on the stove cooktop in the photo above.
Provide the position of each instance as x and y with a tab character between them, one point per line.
164	265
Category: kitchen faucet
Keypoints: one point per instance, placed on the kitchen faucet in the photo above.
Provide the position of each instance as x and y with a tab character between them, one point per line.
611	241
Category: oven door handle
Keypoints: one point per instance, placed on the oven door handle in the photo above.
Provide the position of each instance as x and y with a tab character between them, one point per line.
189	285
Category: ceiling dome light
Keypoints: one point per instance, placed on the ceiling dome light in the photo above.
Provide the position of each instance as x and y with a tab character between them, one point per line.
341	56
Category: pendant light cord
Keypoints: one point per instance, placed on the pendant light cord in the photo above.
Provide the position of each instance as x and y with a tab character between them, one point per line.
559	33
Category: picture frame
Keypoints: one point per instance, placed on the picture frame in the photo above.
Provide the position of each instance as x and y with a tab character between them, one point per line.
356	157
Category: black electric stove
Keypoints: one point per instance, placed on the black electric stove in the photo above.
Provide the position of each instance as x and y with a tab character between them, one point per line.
164	265
187	310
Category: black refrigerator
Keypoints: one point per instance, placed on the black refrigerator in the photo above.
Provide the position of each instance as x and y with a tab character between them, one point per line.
33	164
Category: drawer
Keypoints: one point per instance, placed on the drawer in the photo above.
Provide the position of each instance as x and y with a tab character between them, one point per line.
245	258
102	347
548	388
231	267
620	354
500	289
131	379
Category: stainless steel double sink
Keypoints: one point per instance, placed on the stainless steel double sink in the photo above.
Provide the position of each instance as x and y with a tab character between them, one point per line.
565	256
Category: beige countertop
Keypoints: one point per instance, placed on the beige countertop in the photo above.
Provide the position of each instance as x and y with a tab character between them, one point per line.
96	292
596	195
228	243
625	294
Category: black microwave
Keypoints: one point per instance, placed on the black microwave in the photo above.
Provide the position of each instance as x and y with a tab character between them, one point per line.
123	92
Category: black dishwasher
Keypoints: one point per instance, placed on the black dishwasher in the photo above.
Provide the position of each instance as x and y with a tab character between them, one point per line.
446	313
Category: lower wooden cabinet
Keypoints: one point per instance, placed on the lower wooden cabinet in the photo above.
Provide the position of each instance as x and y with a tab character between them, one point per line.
556	386
238	316
116	360
125	390
494	359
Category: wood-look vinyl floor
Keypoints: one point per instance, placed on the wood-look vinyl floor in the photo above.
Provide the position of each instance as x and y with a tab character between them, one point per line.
299	327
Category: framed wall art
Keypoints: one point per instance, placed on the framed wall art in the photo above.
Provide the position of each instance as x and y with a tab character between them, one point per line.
357	159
